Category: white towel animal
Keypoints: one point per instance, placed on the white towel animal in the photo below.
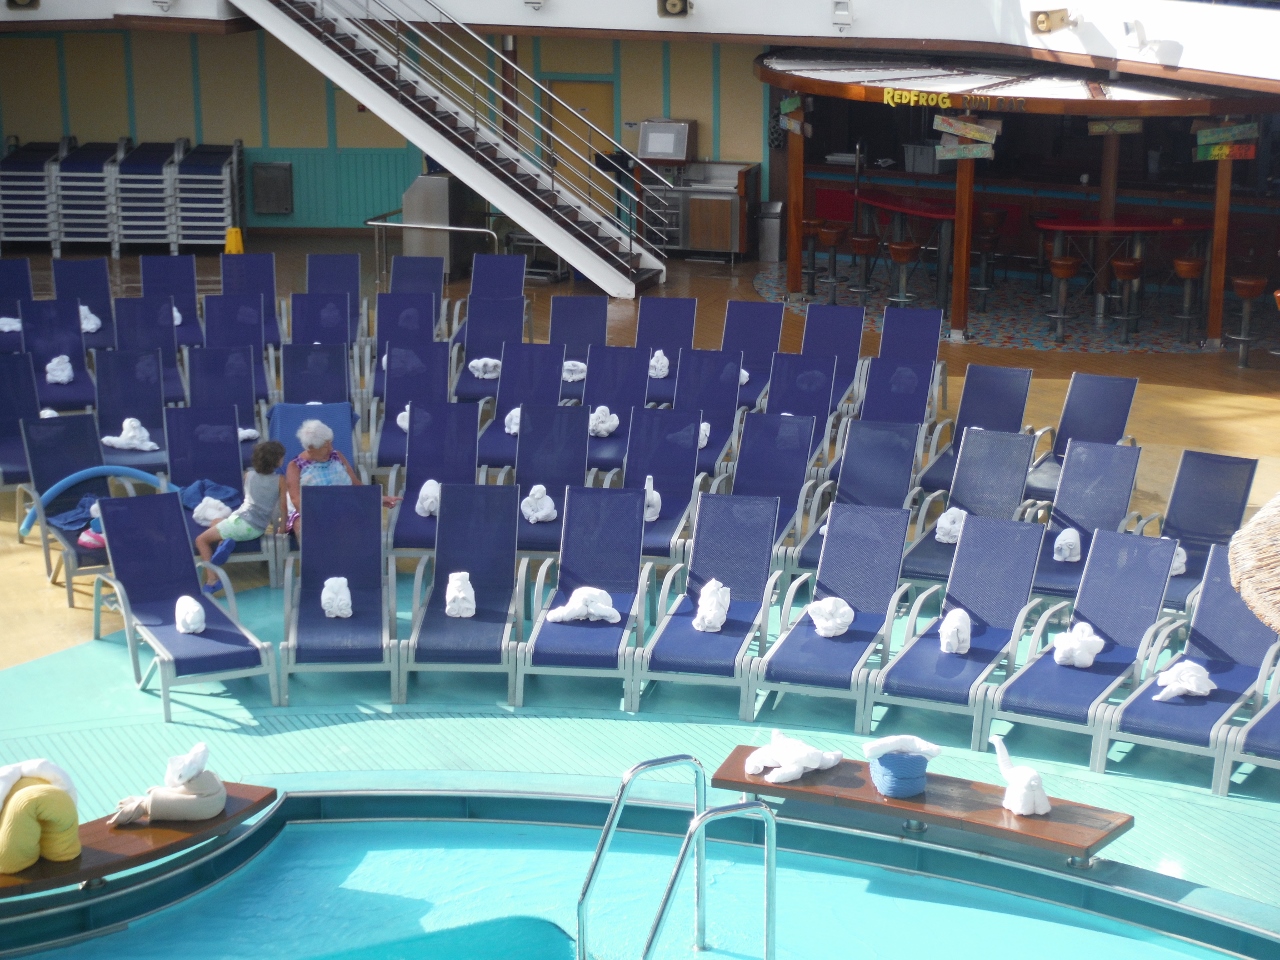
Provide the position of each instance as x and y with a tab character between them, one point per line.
210	511
48	413
713	607
335	598
486	368
177	317
603	423
190	792
1179	566
704	434
188	615
831	617
1184	679
573	371
58	370
900	743
586	603
511	422
789	758
1066	546
89	322
652	501
459	596
949	525
41	769
1024	794
187	766
248	433
133	436
428	504
955	630
10	325
743	377
659	365
537	507
1077	647
402	418
822	530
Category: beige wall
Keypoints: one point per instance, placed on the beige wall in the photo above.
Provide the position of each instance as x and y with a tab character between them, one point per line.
29	99
357	128
229	91
97	97
641	86
741	104
691	90
296	111
162	101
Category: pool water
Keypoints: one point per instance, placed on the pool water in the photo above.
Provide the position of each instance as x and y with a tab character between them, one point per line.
484	891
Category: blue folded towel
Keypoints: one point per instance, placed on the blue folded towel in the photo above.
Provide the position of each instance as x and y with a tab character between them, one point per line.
193	493
77	518
899	774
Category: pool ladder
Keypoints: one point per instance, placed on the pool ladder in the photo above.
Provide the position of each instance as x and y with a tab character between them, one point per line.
695	841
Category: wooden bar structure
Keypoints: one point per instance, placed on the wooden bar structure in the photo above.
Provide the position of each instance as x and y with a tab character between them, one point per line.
795	202
961	241
1218	254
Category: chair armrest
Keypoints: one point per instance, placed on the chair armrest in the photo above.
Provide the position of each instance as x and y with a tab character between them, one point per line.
538	600
805	491
288	591
785	622
522	577
923	513
392	477
1264	671
914	615
770	594
111	582
936	434
1133	516
612	475
1019	628
1040	635
815	510
719	482
698	482
667	583
641	605
1156	634
1158	646
1051	432
1127	440
227	588
1141	528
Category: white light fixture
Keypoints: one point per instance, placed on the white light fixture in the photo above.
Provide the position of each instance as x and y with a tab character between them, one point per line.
1135	34
841	14
533	4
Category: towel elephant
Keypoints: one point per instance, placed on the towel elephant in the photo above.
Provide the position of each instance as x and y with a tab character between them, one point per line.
38	816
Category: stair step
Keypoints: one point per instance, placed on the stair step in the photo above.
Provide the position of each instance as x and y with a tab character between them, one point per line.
646	278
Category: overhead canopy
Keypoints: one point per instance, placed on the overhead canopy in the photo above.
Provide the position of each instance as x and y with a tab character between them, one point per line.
996	86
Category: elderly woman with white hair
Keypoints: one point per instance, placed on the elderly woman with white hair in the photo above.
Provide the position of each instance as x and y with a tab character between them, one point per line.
319	465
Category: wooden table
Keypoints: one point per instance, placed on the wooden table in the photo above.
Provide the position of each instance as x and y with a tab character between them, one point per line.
1073	830
107	850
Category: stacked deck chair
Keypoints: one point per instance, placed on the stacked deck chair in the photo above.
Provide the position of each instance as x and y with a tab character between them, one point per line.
732	544
15	285
666	324
802	385
152	567
219	378
617	383
346	542
530	377
87	283
753	329
988	483
578	324
490	324
1239	653
146	324
476	535
18	402
175	277
1093	494
836	331
254	274
599	548
708	383
1097	410
1210	494
494	276
663	444
861	557
338	274
423	277
1119	598
552	452
911	335
994	398
315	373
991	581
241	320
417	373
892	393
51	329
405	319
204	461
129	388
441	447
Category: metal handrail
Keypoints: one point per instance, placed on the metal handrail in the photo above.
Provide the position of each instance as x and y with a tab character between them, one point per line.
695	836
381	222
611	826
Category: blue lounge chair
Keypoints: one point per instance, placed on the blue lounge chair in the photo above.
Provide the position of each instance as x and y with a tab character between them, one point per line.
222	378
994	398
860	562
530	377
733	544
911	335
254	274
441	447
315	372
494	276
1119	597
235	320
146	323
804	386
552	451
892	393
339	274
1093	494
1239	653
490	324
836	331
152	567
1096	409
417	373
753	328
322	318
284	419
708	382
878	465
600	548
407	319
617	381
476	534
128	385
421	276
666	324
1206	506
991	580
346	543
578	323
15	285
51	328
663	444
18	402
174	277
88	282
1258	741
988	483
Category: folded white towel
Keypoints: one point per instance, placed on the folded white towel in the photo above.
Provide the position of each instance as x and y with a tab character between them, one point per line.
486	368
133	436
789	759
42	769
314	403
58	370
210	511
713	607
177	317
428	504
248	433
831	617
743	376
659	366
89	322
511	422
47	413
822	530
95	510
459	596
10	324
586	603
1066	546
603	423
704	434
949	525
1024	794
1179	565
955	630
573	371
1077	647
187	766
537	507
384	363
652	501
1184	679
335	598
402	418
188	615
900	743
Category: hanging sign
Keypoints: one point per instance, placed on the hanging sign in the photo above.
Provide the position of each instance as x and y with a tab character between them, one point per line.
789	104
1226	151
1098	128
795	126
965	151
1242	131
961	128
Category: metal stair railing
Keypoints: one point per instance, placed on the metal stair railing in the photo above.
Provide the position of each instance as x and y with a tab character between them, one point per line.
611	825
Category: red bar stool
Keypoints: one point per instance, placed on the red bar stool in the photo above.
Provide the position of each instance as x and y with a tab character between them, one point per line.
809	230
1063	270
985	243
903	253
1190	270
1127	271
865	247
1248	289
831	235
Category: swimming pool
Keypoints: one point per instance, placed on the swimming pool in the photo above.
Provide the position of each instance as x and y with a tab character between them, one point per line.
445	889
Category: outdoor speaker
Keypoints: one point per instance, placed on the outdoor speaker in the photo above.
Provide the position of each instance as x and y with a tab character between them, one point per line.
674	8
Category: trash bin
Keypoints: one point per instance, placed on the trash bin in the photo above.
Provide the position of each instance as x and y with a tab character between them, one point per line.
771	231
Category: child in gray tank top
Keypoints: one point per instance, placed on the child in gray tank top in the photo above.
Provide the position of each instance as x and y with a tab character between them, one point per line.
263	502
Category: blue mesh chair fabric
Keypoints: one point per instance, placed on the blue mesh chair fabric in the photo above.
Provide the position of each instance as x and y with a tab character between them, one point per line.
835	331
530	377
666	324
146	323
15	285
663	444
707	381
497	276
129	386
552	451
219	378
422	276
578	323
314	372
803	386
407	319
897	392
994	398
1097	410
175	277
286	418
755	329
490	324
911	335
56	448
88	282
236	320
18	402
326	318
441	447
254	275
51	328
617	378
417	373
336	273
773	459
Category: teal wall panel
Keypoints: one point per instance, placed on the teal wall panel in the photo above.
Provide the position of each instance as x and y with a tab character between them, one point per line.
335	188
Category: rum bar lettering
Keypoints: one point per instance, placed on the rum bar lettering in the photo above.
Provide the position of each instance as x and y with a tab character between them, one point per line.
945	101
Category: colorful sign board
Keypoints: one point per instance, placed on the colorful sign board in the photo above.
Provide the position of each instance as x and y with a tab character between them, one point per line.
1226	151
961	128
1241	131
1099	128
789	104
795	126
966	151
